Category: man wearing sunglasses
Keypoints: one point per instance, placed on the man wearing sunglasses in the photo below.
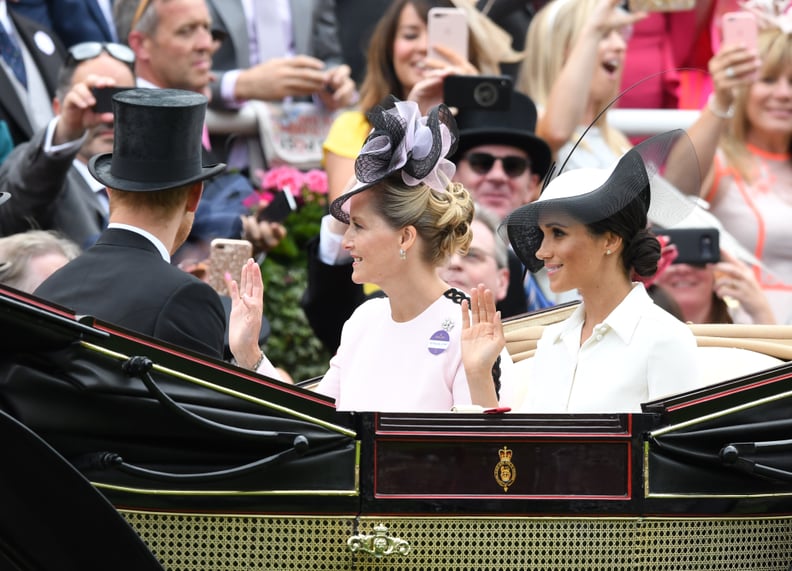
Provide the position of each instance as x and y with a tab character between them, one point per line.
48	176
501	161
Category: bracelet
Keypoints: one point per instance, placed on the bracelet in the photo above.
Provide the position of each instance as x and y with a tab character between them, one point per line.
728	114
258	363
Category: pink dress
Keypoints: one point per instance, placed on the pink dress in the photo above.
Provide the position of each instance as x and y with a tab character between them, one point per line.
383	365
759	216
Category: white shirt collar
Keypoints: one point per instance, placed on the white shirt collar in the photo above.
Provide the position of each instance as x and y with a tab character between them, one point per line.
140	82
622	320
148	235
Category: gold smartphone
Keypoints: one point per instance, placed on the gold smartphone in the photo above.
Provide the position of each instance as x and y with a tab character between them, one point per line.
227	256
660	5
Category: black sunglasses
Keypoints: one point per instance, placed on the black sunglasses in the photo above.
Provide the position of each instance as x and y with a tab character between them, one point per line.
89	50
482	163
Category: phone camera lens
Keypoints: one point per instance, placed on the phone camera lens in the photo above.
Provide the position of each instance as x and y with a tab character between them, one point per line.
706	248
485	94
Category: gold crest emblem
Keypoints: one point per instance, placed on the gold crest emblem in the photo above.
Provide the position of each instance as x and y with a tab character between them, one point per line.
505	471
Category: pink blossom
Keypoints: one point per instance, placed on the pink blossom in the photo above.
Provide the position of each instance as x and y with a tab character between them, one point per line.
284	177
316	181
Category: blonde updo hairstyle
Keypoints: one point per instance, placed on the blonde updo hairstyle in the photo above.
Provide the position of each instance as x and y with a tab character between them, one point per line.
442	220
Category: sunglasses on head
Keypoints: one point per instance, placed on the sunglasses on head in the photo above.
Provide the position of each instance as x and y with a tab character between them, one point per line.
90	50
482	163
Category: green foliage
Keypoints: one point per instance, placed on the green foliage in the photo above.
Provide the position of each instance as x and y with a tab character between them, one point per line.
292	344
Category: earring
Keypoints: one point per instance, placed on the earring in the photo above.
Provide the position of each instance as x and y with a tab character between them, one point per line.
402	254
607	252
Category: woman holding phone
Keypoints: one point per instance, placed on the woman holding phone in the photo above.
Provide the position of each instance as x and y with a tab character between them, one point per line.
397	64
743	139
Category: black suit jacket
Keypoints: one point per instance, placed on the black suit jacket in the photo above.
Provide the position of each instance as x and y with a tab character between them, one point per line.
122	279
48	64
48	193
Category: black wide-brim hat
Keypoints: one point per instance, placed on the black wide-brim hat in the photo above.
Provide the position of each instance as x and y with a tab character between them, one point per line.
157	141
515	128
662	171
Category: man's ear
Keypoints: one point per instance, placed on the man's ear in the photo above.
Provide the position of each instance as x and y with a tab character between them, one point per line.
136	41
503	276
194	196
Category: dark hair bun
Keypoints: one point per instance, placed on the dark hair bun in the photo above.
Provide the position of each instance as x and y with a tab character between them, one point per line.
643	253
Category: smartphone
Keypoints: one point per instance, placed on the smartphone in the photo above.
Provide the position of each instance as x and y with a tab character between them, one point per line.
227	256
447	27
697	246
488	92
660	5
279	209
740	28
104	98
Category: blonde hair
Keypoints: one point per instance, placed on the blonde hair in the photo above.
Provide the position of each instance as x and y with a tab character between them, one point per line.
442	220
17	251
551	35
775	51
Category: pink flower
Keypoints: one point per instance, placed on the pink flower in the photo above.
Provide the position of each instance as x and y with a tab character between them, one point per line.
283	177
316	181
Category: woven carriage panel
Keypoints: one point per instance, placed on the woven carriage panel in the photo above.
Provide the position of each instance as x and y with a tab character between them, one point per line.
218	543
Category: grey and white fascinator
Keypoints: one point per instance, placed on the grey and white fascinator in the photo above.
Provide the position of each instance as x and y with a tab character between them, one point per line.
403	144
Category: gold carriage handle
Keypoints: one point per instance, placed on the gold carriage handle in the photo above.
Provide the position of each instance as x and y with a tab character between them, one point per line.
738	455
379	544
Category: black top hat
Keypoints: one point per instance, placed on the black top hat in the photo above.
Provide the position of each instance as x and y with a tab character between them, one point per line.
514	127
157	142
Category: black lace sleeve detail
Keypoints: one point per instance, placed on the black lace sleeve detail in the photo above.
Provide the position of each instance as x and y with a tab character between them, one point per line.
457	297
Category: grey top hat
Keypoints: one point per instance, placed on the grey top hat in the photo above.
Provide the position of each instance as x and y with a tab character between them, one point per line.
157	142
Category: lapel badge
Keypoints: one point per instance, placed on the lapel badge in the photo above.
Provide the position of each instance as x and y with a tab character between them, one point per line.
505	471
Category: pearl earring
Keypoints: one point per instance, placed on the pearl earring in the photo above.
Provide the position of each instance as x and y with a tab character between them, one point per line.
607	252
402	254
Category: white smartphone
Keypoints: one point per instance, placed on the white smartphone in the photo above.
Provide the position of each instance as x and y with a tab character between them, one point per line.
227	255
740	28
447	27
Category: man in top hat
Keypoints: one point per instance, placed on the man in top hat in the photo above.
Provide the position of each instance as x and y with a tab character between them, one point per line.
154	178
